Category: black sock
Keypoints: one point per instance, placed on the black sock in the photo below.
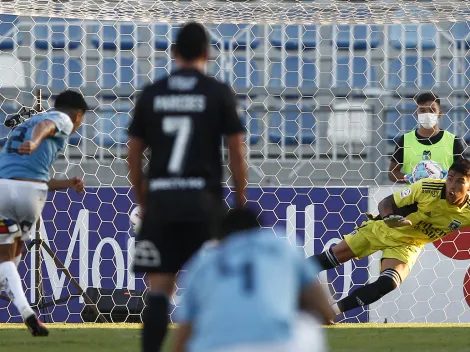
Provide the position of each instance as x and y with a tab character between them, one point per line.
327	260
155	319
388	281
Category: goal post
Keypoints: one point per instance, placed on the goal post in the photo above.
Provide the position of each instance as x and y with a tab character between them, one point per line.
325	89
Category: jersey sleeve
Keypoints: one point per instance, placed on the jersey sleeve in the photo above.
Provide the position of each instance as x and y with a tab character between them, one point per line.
231	123
308	270
459	149
63	124
397	155
137	127
409	195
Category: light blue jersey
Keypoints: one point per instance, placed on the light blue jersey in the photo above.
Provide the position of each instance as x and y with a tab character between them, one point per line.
244	291
35	166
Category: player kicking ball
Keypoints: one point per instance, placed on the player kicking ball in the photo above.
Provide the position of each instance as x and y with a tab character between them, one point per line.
423	212
25	161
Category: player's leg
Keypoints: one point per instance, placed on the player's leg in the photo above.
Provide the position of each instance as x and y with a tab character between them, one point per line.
355	244
18	251
395	266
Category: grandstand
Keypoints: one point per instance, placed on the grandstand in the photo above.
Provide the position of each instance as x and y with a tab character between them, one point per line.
330	99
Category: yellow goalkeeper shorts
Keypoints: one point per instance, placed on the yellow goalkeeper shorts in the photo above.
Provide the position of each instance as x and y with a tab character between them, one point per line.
373	236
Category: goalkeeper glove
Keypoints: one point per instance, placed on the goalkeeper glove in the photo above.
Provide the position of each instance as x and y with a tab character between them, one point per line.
444	174
393	221
409	178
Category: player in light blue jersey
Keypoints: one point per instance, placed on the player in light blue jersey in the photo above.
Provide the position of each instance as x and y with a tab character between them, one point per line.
25	161
244	295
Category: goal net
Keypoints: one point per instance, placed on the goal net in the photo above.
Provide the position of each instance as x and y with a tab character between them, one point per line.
325	89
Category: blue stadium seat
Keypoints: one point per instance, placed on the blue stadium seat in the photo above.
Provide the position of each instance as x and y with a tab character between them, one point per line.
362	37
57	35
5	110
411	73
298	125
118	76
223	36
252	122
161	69
465	131
399	121
412	39
119	37
296	69
461	33
292	39
459	76
7	32
62	73
164	35
358	68
112	125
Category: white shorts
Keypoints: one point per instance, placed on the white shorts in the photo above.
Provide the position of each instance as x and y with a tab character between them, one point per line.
22	202
308	337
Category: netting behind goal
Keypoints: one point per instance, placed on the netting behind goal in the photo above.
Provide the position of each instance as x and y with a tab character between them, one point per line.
323	104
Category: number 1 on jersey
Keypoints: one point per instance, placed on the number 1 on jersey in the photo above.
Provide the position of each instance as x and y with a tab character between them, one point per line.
181	127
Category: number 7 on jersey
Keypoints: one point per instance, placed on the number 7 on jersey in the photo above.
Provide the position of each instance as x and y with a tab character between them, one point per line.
181	127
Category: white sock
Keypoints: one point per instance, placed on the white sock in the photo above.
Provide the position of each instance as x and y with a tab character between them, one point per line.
17	260
11	281
335	308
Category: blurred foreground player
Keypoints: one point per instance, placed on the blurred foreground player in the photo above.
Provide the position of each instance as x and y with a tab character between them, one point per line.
244	295
182	119
423	212
25	161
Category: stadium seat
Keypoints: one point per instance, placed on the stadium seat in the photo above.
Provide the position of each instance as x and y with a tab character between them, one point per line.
119	37
111	75
62	73
161	69
222	35
164	35
362	37
5	110
299	73
358	69
8	31
252	123
307	37
299	125
239	73
112	125
458	76
461	33
57	35
399	120
410	68
413	40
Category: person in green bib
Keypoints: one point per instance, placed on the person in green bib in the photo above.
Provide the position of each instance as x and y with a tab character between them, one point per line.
428	141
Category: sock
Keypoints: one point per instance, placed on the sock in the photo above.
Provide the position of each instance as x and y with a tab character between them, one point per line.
155	320
388	281
11	281
17	260
327	260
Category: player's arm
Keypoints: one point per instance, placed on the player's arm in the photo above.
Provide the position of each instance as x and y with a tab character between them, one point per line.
42	130
181	337
392	209
396	162
75	183
137	145
233	129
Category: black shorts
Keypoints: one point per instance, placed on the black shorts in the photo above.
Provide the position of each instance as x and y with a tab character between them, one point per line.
167	247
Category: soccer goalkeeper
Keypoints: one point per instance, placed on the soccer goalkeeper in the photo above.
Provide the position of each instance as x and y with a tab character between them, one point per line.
421	213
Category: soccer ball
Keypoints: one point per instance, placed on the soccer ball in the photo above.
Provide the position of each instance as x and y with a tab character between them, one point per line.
427	169
136	219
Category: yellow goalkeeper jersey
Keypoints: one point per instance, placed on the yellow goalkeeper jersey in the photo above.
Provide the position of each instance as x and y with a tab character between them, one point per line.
425	205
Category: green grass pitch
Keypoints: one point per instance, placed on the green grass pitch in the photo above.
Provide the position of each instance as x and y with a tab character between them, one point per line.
341	338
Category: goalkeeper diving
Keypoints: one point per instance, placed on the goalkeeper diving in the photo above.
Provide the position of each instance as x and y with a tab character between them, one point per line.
423	212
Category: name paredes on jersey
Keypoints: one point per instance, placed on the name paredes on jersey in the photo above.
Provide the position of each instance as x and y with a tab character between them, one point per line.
179	103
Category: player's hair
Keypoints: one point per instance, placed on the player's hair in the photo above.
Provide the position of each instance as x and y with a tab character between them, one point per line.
427	97
70	100
462	166
192	42
240	219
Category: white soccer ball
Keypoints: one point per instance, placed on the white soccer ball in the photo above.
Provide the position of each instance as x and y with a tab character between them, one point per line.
136	219
427	169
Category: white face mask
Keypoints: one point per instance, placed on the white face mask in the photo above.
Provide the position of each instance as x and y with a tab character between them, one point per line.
427	120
